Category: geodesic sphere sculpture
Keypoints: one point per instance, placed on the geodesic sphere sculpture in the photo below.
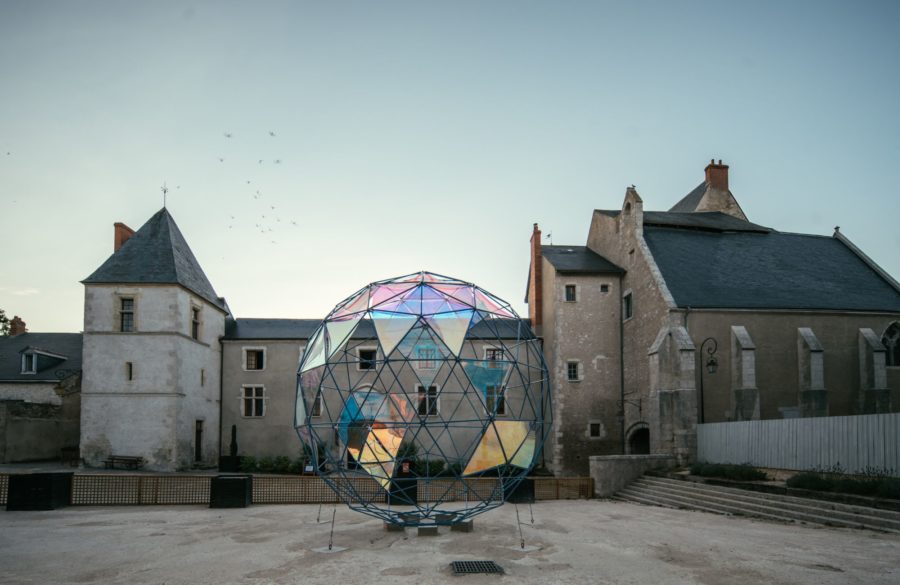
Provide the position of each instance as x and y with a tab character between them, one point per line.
423	400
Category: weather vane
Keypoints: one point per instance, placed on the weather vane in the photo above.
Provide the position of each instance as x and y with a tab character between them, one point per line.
164	190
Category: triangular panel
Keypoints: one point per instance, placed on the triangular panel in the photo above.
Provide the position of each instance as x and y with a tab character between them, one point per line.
451	327
391	328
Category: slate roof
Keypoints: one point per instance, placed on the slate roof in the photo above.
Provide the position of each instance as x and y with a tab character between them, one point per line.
766	270
690	201
701	220
303	329
578	260
156	254
62	344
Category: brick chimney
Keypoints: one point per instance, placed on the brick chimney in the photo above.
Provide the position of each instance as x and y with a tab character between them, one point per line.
717	175
536	282
122	233
17	326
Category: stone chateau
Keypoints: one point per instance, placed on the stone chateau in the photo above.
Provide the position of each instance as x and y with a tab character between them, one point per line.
662	320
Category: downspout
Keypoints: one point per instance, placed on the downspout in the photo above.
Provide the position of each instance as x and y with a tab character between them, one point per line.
221	392
622	361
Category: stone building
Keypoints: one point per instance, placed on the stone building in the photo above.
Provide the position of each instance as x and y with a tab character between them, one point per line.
152	354
666	319
40	384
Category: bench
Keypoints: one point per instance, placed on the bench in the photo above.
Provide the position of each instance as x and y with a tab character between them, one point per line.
126	461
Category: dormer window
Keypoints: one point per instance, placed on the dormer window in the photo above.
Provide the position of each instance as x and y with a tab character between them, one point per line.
29	363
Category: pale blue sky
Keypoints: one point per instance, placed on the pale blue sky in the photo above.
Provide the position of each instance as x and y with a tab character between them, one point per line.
423	135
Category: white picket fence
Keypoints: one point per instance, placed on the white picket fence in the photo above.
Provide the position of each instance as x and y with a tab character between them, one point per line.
853	442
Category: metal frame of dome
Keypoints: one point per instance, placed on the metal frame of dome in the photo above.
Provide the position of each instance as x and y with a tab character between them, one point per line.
445	421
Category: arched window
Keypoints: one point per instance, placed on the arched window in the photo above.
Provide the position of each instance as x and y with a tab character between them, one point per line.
891	341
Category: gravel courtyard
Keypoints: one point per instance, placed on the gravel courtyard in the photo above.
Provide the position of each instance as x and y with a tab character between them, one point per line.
592	542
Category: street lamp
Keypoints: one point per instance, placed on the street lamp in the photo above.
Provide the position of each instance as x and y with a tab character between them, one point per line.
711	365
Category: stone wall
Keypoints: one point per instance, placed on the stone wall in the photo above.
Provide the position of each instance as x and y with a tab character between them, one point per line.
774	334
175	379
612	473
620	239
593	398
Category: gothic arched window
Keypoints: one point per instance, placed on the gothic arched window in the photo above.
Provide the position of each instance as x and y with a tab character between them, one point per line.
891	341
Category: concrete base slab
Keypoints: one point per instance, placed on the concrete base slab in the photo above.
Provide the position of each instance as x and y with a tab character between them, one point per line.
390	527
526	549
428	531
467	526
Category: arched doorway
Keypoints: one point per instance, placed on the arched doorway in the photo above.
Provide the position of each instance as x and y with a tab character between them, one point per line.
638	442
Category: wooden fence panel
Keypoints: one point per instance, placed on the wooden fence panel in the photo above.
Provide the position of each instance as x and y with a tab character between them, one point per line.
855	443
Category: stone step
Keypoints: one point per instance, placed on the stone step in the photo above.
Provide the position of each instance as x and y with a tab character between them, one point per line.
869	517
674	498
806	502
628	495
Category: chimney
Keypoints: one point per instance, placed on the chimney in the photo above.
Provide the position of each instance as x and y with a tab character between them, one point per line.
717	175
17	326
122	233
535	285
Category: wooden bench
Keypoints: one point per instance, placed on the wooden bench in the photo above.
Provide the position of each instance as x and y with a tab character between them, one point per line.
126	461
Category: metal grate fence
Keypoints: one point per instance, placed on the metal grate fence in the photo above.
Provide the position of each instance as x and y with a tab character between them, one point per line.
123	489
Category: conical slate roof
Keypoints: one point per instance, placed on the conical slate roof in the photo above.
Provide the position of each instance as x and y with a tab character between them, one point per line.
156	254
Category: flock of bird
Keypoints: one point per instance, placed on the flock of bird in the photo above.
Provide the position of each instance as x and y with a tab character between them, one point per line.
268	220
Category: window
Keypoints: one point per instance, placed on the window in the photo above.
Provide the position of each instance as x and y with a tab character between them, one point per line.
202	377
253	401
495	400
254	358
891	342
317	405
570	293
594	429
29	363
493	355
195	323
427	358
604	288
126	315
627	307
428	401
129	371
573	370
367	357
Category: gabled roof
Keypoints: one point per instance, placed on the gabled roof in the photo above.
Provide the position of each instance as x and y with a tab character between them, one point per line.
156	254
689	202
63	345
578	260
766	270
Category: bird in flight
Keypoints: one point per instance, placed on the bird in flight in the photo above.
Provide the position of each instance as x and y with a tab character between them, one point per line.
260	161
294	223
271	133
272	206
228	135
277	161
221	159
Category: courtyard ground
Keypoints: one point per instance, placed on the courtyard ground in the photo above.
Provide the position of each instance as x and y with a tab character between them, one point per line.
594	542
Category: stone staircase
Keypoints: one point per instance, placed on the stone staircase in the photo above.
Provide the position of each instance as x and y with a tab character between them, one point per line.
691	495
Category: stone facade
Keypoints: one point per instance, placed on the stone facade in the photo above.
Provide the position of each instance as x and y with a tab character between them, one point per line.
767	362
149	391
273	433
584	409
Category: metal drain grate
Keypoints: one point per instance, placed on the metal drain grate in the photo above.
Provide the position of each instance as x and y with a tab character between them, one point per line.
476	567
